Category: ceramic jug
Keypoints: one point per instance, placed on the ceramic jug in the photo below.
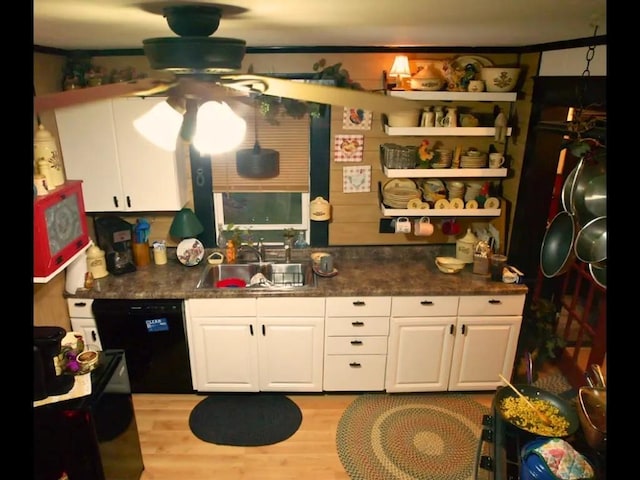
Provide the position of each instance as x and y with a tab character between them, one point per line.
320	209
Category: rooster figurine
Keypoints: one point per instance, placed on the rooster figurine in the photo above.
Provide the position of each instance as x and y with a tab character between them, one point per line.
468	75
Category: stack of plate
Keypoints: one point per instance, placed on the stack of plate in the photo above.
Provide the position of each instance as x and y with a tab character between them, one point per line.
397	192
473	161
443	158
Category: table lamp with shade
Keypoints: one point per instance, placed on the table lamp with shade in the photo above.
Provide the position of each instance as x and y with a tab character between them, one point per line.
186	226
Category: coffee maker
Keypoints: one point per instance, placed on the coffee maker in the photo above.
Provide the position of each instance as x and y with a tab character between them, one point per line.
47	342
114	236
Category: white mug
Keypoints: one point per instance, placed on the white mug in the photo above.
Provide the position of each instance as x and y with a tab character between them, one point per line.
496	160
403	225
423	227
476	86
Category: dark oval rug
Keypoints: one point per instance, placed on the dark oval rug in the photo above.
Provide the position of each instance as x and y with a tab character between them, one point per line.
420	436
246	419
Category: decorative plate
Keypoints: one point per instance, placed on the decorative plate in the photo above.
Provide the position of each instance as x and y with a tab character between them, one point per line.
400	183
442	204
456	203
475	60
472	204
414	203
190	252
492	202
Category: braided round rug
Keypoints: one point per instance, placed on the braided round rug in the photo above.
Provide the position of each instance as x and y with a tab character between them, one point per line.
430	436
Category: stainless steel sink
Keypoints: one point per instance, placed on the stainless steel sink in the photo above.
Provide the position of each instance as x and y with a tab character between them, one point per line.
276	275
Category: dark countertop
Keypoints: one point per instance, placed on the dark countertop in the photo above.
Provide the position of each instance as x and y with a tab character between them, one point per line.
362	271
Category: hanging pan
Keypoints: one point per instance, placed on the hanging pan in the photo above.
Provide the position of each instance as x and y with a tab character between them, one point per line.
257	162
557	252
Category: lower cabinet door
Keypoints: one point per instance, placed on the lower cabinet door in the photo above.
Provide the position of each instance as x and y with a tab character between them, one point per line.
290	354
226	354
484	348
419	354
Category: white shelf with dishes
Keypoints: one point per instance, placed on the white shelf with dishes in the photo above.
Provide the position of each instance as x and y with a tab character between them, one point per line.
434	212
455	96
443	131
445	172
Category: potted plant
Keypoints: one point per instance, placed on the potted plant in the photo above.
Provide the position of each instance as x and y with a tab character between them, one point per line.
271	107
539	340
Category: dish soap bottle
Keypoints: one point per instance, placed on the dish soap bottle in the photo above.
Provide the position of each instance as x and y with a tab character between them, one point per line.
301	241
465	247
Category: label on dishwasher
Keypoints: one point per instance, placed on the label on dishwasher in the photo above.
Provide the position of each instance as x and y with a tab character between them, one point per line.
157	325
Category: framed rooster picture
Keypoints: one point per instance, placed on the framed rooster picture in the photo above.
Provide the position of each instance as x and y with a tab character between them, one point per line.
356	119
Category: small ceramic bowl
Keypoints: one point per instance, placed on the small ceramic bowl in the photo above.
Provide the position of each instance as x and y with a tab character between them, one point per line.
87	359
449	264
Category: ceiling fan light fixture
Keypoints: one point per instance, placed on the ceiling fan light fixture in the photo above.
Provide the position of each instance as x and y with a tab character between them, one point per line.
161	124
218	128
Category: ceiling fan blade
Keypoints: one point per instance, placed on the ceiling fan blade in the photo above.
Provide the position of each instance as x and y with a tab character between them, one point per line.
206	90
309	92
68	98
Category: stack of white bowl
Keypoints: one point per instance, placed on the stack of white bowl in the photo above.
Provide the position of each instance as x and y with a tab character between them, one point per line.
472	190
455	189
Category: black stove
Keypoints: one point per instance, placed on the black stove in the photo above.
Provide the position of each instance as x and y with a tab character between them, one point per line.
498	456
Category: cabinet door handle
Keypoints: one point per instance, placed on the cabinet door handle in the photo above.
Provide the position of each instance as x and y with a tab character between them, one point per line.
357	324
356	342
495	302
251	330
115	201
128	201
464	329
358	303
355	365
426	302
451	329
94	337
263	330
79	304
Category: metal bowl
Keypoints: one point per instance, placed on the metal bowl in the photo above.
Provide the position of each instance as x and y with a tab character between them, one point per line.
591	242
599	274
557	253
589	195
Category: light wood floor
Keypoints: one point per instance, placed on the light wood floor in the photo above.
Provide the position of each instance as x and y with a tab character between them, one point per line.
171	452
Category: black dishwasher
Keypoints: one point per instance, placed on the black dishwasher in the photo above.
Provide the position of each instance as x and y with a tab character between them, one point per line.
152	334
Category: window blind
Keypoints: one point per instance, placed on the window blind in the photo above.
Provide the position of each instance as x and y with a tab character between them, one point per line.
290	138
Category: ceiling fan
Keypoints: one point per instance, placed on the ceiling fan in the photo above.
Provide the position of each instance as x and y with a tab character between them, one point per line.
200	67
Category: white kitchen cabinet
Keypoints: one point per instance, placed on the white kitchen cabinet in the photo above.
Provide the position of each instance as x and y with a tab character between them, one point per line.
421	338
486	340
356	333
290	344
121	171
223	344
249	344
83	321
452	343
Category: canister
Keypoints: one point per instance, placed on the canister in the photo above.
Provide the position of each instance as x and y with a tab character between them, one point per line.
465	247
96	263
45	148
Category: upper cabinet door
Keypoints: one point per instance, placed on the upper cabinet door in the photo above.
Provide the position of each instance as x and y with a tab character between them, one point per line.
152	178
88	144
120	169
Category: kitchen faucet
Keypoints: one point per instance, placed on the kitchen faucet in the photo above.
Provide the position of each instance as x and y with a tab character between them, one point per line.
252	250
